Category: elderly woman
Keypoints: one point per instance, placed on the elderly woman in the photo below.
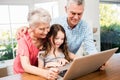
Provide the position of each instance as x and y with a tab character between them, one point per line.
31	43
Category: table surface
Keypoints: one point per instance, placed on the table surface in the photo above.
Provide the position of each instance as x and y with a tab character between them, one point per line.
111	72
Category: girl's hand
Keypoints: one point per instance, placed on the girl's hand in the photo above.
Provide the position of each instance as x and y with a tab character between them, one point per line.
52	64
63	61
60	62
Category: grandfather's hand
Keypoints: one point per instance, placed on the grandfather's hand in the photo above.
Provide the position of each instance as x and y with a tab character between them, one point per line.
103	66
21	31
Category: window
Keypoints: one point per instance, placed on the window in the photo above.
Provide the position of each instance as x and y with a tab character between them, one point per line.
110	26
11	17
52	7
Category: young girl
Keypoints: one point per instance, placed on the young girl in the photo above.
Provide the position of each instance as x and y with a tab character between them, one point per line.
56	51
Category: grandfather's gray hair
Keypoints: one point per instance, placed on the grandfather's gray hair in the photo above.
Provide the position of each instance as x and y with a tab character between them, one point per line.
78	2
39	15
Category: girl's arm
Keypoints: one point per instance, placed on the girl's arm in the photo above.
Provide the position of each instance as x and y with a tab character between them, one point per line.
72	55
41	60
40	63
53	64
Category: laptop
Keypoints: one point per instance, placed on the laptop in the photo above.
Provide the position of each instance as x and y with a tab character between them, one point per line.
84	65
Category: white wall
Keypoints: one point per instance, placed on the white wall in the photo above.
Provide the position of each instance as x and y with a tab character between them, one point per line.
91	15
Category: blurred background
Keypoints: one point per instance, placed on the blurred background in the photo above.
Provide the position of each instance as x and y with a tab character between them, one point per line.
103	16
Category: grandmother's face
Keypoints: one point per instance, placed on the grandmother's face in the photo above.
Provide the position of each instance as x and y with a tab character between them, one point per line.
41	30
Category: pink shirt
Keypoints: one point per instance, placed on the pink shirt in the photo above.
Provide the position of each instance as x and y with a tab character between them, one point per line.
26	48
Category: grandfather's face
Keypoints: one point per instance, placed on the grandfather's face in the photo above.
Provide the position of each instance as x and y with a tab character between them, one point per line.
74	13
41	30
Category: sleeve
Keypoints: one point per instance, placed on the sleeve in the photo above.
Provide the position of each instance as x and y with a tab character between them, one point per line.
41	55
89	44
23	48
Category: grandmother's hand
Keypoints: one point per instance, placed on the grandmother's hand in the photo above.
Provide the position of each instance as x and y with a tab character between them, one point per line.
52	73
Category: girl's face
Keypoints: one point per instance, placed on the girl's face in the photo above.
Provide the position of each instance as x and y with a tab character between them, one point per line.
59	39
41	30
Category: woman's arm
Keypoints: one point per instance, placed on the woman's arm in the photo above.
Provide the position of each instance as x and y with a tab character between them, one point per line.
49	74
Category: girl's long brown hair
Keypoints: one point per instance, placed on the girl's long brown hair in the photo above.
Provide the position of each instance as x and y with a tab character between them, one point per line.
53	33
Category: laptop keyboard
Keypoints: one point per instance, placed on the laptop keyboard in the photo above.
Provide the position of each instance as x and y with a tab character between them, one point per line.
63	70
62	73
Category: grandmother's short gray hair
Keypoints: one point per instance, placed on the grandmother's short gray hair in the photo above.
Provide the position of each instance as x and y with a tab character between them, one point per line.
39	15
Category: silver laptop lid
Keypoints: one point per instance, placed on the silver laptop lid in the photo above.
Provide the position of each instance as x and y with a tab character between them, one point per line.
87	64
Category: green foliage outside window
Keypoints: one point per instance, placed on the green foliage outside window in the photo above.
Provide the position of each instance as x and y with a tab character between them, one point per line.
110	37
6	46
7	53
110	26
